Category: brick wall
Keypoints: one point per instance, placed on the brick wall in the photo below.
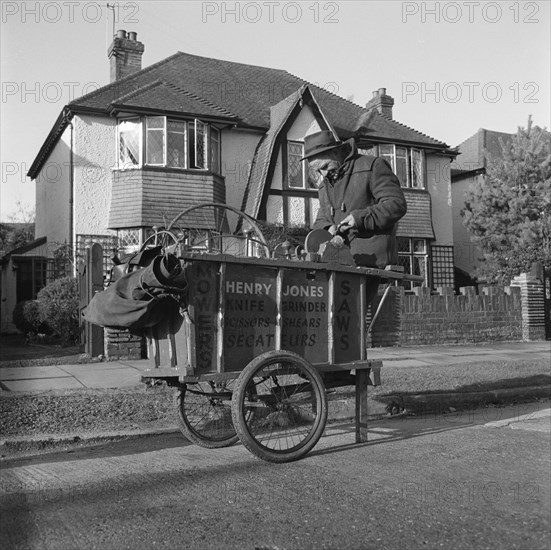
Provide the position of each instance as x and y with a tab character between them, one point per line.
427	318
121	345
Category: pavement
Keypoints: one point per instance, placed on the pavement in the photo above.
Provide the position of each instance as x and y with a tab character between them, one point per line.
127	374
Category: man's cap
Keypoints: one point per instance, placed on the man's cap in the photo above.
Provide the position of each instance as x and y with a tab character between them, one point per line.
317	143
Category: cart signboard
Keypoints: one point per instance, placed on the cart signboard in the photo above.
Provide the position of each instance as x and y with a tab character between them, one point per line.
249	311
203	280
239	311
348	325
304	313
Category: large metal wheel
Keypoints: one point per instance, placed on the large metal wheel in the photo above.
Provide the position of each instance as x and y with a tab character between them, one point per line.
204	413
219	228
279	406
163	238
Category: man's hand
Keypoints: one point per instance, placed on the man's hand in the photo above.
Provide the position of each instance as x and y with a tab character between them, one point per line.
347	224
332	230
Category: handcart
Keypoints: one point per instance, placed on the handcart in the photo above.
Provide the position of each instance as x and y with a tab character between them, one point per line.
250	348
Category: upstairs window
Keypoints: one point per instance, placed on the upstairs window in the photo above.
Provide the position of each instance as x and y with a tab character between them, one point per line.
176	143
155	140
295	168
407	164
215	150
299	175
130	143
169	143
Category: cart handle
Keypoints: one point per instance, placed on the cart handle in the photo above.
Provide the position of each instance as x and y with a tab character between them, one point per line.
379	307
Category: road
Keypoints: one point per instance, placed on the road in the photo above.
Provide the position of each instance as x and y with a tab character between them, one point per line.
479	479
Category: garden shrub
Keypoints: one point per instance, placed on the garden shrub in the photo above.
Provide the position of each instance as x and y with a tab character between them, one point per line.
26	317
58	304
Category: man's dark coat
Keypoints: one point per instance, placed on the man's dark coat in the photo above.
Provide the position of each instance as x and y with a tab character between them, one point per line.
369	190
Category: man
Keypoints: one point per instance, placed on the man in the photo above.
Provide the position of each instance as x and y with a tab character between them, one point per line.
360	197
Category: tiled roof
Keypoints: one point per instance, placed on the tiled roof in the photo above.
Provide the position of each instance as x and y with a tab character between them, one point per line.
244	91
23	249
167	97
418	220
244	94
259	170
471	151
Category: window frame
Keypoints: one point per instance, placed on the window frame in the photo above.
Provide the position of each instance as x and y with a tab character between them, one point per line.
124	165
197	126
304	186
391	158
412	255
307	193
215	155
162	129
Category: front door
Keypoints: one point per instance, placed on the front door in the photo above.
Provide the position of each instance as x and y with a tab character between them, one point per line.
31	276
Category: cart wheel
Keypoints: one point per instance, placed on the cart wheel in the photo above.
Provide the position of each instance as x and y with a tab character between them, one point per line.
279	406
220	228
204	413
163	238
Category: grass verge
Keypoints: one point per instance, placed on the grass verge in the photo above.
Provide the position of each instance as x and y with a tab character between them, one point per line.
80	412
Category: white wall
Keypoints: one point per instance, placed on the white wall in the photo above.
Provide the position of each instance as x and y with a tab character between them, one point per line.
95	154
52	194
304	125
238	148
94	148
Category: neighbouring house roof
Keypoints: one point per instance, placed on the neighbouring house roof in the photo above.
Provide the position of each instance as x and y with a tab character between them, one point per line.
236	93
24	248
472	151
457	175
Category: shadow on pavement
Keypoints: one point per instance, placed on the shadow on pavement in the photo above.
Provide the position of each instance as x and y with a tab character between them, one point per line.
402	427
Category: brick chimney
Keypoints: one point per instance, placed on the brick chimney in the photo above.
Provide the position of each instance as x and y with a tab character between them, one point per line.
125	55
382	102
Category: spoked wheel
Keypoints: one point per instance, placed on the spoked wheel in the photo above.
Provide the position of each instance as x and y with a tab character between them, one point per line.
279	406
163	238
219	228
204	413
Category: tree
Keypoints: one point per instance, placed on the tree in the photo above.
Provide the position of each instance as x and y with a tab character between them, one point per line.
508	212
18	230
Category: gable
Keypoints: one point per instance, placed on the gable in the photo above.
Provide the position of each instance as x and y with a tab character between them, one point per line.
291	118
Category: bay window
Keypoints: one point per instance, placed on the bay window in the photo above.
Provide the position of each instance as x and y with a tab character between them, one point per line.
155	140
168	143
130	143
215	150
176	143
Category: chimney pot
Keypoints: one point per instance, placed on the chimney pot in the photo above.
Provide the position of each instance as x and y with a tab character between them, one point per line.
125	55
381	102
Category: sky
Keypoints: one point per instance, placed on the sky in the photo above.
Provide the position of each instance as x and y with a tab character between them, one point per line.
451	67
